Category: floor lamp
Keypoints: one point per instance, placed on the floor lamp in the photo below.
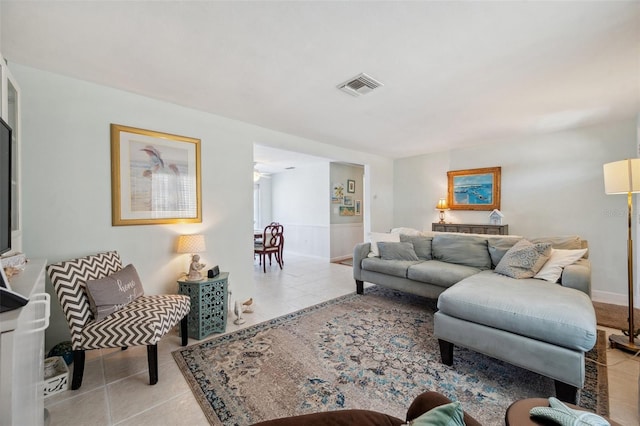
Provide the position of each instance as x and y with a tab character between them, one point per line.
623	177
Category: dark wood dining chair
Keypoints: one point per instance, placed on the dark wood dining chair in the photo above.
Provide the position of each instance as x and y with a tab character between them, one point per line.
272	240
282	242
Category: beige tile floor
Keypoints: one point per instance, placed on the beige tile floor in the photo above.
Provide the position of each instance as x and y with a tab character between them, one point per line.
115	388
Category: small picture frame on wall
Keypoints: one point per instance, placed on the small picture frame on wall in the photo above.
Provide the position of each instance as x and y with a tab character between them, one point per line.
358	207
351	186
347	211
348	201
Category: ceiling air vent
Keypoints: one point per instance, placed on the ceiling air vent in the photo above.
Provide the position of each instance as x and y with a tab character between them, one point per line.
359	85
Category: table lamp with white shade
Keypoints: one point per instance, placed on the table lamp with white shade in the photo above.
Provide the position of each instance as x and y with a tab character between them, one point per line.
193	244
623	177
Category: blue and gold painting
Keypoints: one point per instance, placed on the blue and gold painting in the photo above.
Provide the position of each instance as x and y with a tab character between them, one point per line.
473	189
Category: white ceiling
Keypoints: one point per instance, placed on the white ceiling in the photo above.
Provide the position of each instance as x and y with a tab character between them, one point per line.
454	73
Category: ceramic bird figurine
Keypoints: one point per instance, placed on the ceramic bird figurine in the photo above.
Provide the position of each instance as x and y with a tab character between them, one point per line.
565	416
237	309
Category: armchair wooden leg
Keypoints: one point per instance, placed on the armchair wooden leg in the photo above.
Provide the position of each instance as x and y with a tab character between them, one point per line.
446	352
78	369
566	392
184	330
152	357
359	287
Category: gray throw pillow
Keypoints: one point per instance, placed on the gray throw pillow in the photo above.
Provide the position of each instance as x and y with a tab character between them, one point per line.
498	247
109	294
461	249
524	259
421	245
397	251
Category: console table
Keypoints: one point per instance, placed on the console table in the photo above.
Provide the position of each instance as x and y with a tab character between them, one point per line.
208	312
471	228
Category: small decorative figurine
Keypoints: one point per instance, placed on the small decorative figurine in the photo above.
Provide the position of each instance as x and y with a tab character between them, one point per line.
240	308
495	217
194	269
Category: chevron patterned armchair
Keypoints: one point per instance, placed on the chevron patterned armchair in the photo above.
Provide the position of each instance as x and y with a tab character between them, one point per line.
142	322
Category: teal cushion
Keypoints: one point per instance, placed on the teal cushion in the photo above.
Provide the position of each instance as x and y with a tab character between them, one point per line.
444	415
421	245
396	251
462	250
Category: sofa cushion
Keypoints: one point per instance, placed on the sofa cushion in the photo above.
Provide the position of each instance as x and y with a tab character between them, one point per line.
462	250
498	247
533	308
397	251
559	259
524	259
421	245
397	268
440	273
565	242
376	237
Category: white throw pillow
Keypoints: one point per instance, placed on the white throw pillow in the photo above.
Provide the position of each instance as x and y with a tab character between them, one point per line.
552	269
406	231
374	237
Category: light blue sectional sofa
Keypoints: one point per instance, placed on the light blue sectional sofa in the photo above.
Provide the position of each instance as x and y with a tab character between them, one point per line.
543	325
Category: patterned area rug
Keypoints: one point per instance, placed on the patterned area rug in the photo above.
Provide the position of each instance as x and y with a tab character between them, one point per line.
374	352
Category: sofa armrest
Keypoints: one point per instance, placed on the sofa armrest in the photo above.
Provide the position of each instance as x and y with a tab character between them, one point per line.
360	251
578	276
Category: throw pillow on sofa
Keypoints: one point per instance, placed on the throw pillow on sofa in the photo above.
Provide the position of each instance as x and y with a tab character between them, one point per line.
109	294
376	237
397	251
443	415
552	269
421	245
524	259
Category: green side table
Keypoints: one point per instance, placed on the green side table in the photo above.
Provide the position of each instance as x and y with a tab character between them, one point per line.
208	305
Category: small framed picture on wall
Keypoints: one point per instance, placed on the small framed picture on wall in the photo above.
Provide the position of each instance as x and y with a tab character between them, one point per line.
351	186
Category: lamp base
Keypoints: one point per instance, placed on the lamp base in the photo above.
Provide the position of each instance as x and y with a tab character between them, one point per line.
622	342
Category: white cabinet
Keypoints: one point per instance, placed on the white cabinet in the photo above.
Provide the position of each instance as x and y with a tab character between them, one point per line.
22	350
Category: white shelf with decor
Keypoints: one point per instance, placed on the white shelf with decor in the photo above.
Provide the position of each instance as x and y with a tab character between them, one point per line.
22	350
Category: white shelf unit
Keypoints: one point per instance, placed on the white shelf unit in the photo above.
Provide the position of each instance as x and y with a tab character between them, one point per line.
22	350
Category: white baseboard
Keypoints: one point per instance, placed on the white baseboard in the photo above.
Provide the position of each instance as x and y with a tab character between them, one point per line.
612	298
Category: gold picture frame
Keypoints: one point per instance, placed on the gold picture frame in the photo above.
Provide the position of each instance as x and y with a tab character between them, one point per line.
155	177
474	189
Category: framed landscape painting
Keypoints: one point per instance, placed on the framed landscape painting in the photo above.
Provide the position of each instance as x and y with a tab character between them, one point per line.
155	177
474	189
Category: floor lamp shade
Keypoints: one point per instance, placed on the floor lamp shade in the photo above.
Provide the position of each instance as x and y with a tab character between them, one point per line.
623	177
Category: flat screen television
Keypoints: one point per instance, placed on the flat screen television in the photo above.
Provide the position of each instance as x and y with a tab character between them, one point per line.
5	187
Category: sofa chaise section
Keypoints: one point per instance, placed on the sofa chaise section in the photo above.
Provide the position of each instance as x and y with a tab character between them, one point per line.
534	324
